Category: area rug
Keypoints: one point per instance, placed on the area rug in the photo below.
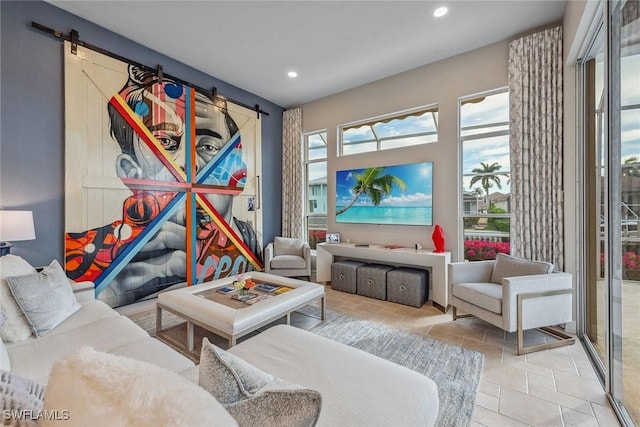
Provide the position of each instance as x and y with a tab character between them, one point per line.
455	370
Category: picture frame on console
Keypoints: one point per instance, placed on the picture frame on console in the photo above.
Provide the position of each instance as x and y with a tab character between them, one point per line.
332	238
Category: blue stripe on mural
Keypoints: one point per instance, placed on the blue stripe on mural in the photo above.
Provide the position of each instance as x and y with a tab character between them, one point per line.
210	167
130	251
188	143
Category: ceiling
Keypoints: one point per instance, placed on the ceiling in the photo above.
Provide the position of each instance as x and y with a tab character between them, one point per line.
332	45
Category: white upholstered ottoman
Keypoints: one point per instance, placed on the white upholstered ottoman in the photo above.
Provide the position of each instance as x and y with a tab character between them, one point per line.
192	304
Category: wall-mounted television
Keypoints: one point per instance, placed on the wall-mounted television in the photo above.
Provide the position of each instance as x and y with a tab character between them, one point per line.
398	195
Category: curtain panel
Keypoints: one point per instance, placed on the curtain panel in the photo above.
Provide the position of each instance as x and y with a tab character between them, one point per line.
536	104
292	179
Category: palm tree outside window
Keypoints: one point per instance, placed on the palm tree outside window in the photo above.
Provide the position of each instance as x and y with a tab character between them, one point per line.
485	174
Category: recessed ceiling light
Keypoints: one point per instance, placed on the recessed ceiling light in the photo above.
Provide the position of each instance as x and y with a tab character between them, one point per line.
292	74
439	12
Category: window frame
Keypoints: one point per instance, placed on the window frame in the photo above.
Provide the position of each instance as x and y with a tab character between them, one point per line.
306	161
461	175
385	118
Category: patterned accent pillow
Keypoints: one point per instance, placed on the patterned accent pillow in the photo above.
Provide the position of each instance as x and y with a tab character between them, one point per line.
252	396
509	266
227	377
20	394
46	298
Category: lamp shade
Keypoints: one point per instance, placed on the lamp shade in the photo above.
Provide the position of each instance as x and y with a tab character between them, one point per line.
16	225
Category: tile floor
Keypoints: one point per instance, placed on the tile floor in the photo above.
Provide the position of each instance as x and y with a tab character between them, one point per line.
555	387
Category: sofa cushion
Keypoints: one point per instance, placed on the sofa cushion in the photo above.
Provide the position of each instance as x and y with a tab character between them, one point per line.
282	262
509	266
19	394
344	376
101	389
287	246
46	298
252	396
90	311
34	359
153	351
484	295
16	328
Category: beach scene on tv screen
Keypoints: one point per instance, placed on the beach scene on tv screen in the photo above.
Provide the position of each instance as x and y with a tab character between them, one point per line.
399	194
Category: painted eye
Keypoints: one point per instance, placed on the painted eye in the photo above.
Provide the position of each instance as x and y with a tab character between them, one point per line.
168	143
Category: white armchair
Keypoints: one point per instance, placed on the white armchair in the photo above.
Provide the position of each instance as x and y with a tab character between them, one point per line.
288	257
514	295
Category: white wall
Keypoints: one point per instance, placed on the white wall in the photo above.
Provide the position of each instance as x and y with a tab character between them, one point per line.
440	83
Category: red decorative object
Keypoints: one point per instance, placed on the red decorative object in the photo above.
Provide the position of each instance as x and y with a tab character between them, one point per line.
438	238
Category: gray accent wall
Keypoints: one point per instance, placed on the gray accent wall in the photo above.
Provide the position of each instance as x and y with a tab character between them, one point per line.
32	120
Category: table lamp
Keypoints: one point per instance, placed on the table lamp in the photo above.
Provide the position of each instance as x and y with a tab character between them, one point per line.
14	226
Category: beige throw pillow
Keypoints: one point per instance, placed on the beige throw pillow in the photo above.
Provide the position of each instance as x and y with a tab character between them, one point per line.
287	246
509	266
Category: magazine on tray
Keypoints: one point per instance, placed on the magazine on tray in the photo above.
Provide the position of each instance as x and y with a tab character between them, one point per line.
227	290
246	297
265	287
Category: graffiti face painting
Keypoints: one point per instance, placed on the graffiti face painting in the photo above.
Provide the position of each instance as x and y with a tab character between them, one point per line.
181	158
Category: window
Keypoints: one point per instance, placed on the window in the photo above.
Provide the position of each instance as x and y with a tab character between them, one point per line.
419	126
486	196
315	161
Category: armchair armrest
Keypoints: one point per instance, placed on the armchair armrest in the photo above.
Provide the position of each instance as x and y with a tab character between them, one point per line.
268	256
540	311
83	291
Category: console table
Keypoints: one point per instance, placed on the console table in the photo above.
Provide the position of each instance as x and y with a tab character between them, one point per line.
421	258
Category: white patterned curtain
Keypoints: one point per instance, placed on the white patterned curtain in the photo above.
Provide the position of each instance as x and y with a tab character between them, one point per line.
292	180
535	84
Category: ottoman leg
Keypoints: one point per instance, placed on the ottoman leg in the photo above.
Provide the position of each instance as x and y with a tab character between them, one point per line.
158	320
190	345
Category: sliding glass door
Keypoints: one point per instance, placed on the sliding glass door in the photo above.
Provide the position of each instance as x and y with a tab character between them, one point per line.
624	187
610	299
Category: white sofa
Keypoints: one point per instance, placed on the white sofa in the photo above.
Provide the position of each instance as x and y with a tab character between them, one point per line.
358	389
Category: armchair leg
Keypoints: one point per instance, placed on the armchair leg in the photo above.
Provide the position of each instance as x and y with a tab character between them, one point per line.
457	316
562	339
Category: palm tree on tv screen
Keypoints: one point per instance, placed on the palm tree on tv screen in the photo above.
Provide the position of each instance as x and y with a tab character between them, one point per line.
372	183
487	175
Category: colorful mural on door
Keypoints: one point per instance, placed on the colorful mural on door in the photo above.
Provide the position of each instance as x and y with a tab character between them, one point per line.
181	158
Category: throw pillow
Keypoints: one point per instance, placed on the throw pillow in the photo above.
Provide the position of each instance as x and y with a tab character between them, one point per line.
20	400
227	377
509	266
287	246
101	389
15	328
254	397
46	298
